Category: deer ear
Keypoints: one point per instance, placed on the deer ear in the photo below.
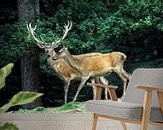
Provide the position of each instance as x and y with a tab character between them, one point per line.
64	47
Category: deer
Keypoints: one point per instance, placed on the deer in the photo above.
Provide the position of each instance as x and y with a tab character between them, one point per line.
97	64
63	70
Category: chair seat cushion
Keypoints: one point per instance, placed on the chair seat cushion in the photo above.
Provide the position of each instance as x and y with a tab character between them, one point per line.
125	110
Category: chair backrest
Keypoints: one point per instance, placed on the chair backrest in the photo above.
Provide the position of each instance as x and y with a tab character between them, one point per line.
144	77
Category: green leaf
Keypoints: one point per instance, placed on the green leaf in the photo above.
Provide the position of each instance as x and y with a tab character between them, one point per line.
4	72
20	99
24	98
5	108
8	126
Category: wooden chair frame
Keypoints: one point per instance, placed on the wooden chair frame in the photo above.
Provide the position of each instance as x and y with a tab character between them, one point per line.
146	106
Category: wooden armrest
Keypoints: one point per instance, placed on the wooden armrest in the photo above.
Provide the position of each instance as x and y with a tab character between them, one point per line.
111	90
102	85
147	88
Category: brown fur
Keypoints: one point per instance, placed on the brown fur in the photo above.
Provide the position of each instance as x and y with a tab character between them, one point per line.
97	64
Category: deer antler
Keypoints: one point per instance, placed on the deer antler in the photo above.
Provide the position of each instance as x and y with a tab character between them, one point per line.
67	29
40	43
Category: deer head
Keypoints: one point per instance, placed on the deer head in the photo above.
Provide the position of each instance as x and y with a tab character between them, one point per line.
49	47
62	53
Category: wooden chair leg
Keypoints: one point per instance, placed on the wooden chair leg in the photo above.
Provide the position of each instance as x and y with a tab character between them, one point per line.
146	110
112	94
160	98
94	123
98	91
124	125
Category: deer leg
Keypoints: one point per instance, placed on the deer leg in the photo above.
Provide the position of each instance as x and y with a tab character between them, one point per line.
66	87
124	80
124	77
84	79
104	81
125	74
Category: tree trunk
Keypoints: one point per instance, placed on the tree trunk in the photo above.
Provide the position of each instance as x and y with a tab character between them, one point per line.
28	10
30	77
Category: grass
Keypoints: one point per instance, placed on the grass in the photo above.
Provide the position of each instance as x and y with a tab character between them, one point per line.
69	107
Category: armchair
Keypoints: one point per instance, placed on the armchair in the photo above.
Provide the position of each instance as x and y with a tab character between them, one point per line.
142	104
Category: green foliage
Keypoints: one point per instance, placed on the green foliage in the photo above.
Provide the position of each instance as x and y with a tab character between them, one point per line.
130	18
14	42
18	99
69	107
8	126
4	72
97	22
97	25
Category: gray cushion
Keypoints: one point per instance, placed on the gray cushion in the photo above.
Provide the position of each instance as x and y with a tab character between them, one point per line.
122	109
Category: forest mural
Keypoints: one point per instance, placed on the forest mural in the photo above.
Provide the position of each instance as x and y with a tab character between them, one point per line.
134	27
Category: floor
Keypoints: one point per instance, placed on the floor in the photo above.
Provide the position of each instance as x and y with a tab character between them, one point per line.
58	121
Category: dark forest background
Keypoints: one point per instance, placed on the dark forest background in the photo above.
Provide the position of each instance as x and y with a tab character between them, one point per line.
134	27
